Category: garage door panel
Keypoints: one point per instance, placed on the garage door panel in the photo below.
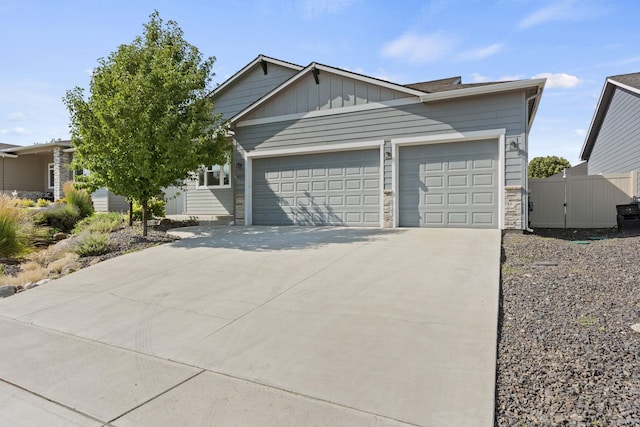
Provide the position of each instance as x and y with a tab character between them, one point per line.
328	189
449	185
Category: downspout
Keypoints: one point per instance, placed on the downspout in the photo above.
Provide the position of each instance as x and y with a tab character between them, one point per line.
526	150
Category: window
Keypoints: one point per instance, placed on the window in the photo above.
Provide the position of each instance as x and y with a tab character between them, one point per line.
214	176
50	175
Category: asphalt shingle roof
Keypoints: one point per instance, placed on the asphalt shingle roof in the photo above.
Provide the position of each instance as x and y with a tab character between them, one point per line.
632	79
443	85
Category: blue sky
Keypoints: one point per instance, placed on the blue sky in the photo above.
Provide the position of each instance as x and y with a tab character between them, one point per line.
48	47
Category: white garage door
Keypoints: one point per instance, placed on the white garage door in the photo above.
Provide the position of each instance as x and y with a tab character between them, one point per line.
449	185
318	189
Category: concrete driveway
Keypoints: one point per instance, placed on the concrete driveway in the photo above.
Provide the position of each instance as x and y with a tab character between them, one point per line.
262	326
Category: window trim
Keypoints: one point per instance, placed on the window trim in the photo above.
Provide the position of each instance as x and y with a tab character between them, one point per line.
51	179
203	171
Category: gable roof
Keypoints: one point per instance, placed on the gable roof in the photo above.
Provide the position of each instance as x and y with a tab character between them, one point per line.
433	90
630	82
261	60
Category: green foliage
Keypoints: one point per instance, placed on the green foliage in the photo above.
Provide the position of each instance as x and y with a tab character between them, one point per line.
26	203
43	203
91	244
63	216
155	209
100	223
543	167
148	120
79	198
13	239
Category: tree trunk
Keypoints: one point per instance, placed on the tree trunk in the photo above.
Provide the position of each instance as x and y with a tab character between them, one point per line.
145	204
131	213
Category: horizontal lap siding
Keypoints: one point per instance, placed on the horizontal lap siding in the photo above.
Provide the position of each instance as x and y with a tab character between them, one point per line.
208	201
617	147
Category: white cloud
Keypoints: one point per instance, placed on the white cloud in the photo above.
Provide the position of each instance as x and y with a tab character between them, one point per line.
418	48
15	131
580	132
17	116
560	80
481	53
554	12
313	8
478	78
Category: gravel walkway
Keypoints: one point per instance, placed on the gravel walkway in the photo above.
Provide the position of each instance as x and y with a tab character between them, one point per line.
567	353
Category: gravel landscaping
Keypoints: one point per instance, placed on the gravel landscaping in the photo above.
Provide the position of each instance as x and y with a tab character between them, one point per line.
569	334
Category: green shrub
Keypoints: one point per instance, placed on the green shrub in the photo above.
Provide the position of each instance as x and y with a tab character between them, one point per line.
63	216
13	239
26	203
79	198
155	209
91	244
43	203
100	223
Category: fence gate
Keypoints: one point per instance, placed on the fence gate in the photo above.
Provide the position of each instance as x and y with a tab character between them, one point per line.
587	201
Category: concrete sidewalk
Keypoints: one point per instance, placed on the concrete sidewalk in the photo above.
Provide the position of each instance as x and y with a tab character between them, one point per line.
262	326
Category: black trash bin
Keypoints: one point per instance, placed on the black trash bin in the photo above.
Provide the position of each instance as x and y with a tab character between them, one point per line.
628	218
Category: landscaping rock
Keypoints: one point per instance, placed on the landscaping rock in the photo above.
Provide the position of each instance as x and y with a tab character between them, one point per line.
566	354
95	261
60	236
30	285
70	268
7	291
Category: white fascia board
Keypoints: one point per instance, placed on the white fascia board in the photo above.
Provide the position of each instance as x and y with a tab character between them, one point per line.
11	156
69	150
249	66
369	80
483	90
624	86
315	149
331	111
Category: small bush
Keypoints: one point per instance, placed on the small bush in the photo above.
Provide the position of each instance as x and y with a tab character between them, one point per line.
26	203
63	216
91	244
13	239
57	265
100	223
79	198
155	209
43	203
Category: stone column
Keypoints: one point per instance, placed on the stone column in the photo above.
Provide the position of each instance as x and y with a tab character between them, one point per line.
239	219
513	213
388	209
61	172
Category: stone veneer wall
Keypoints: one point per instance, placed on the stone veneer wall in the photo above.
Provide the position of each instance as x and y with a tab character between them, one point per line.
388	209
239	217
61	172
513	213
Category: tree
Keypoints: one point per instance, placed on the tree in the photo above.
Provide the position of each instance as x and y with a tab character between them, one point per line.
543	167
148	121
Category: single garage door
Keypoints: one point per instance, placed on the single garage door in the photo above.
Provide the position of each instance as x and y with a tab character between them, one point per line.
449	185
340	188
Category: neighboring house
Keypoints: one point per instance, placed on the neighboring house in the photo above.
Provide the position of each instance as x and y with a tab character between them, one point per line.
319	145
39	171
577	170
612	144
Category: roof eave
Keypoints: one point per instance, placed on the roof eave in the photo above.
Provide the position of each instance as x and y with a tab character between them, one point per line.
484	90
596	120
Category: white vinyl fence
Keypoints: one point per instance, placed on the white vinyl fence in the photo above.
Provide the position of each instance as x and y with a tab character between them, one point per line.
587	201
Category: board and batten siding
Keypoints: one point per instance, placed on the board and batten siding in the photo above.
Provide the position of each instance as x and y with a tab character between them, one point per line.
208	200
499	111
249	88
617	147
331	92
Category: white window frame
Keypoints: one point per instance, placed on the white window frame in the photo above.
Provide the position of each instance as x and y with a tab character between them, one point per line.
203	174
51	177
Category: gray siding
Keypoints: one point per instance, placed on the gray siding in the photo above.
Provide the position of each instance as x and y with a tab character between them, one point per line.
333	91
617	147
464	115
208	201
117	203
25	173
100	199
249	88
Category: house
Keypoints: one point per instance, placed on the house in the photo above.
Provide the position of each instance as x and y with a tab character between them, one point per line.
612	144
319	145
39	171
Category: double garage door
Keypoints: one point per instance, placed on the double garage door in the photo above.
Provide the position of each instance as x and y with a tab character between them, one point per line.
439	185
